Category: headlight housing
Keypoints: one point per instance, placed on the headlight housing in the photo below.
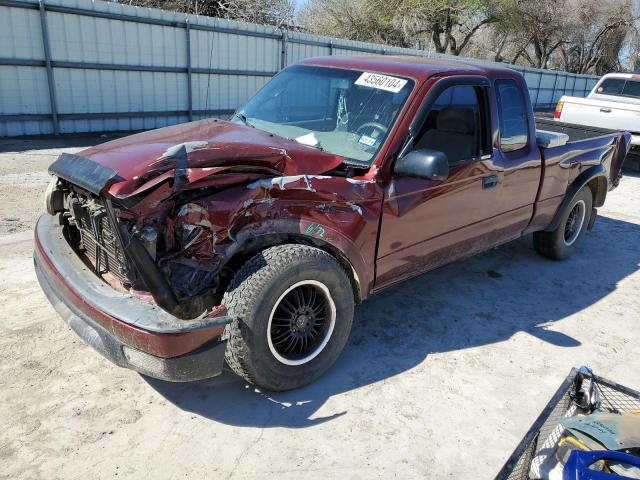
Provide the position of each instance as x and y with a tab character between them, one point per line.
53	198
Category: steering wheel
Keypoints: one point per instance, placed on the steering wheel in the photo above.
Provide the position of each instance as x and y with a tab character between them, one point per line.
376	125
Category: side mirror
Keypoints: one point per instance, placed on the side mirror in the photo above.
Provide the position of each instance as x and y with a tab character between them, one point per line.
426	163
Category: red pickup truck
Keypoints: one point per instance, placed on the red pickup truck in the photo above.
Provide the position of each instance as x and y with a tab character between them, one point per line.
251	240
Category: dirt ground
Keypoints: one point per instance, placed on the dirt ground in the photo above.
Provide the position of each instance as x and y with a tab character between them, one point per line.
441	378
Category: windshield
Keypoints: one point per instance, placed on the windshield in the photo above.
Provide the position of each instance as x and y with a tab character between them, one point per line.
344	112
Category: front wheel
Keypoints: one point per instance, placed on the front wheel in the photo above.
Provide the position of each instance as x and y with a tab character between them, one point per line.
561	242
293	309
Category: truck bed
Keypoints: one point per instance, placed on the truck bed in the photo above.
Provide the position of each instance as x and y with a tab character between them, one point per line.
575	132
598	141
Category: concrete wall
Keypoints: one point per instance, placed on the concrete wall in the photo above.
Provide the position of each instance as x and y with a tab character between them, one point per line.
72	66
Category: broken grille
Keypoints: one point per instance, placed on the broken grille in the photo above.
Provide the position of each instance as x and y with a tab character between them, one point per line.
99	240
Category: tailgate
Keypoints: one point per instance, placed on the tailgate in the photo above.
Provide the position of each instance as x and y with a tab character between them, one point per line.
599	113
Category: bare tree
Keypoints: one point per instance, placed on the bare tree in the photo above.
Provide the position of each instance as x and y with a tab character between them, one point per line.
266	12
448	25
535	28
597	35
362	20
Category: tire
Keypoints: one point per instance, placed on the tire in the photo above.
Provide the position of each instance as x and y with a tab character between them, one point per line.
261	297
561	242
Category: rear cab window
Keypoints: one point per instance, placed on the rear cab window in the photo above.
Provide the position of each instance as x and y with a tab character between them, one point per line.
631	89
512	112
611	86
620	87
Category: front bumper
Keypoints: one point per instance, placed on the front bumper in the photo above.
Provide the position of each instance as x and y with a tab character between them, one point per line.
123	328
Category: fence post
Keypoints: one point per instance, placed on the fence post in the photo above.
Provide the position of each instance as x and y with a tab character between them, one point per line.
47	59
587	88
330	47
189	85
535	102
283	49
553	93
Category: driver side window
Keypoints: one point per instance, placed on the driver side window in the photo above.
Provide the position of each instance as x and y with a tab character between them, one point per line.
454	124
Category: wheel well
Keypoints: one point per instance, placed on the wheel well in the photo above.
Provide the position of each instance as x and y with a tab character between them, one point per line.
598	187
257	244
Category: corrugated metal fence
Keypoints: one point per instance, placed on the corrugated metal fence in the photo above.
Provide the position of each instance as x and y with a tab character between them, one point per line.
80	66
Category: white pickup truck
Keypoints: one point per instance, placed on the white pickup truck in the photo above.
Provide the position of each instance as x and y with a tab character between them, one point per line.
613	104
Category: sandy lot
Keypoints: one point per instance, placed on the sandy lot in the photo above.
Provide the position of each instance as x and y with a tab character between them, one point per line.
441	378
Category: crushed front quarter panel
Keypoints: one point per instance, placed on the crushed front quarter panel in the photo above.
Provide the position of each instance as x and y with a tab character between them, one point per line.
333	211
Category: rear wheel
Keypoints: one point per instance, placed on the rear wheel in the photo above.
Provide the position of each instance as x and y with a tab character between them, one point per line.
294	308
561	242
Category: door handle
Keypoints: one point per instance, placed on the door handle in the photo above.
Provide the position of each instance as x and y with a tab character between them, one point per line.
605	110
489	182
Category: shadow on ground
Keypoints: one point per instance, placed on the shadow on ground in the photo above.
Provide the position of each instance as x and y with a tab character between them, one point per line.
474	302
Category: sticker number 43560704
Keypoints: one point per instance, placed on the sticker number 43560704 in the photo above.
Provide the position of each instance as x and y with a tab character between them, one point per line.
382	82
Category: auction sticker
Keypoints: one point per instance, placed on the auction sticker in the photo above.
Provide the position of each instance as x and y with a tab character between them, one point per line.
382	82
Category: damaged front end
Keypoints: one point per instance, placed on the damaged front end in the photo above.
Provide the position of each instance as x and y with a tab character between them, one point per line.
192	265
110	240
149	232
167	254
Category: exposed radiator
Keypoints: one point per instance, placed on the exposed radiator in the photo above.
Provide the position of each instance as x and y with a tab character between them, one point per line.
98	239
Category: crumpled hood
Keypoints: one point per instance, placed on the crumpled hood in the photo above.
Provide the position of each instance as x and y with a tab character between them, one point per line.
191	152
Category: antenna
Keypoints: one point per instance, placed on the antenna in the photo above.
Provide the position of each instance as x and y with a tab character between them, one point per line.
206	106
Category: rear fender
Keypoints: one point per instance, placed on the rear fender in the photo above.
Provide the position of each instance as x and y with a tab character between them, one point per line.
596	179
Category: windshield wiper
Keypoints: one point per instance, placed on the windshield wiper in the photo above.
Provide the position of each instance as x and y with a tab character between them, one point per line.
242	117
